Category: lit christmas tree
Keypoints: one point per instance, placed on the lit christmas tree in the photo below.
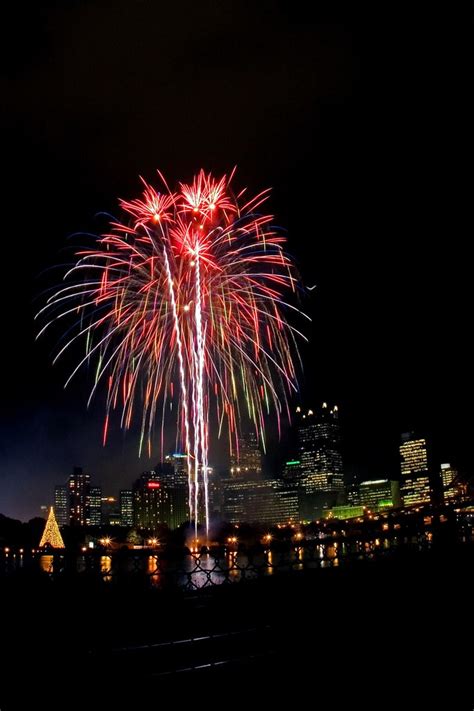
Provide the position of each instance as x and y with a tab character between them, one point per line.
51	535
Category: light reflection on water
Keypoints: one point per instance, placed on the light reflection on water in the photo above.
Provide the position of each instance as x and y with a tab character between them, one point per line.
106	567
46	563
269	556
201	570
153	569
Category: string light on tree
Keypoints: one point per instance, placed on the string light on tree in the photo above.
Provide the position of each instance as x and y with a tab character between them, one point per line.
51	534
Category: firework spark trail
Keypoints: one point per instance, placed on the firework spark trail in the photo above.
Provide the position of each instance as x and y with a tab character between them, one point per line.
200	388
190	287
182	379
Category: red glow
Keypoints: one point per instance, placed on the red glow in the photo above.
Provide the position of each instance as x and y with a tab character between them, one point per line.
154	484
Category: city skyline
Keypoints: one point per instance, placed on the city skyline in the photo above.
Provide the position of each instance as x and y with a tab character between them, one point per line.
389	308
312	483
112	482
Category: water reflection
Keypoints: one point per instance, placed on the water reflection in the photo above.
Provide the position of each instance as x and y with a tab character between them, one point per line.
153	569
106	567
219	566
269	561
299	554
46	563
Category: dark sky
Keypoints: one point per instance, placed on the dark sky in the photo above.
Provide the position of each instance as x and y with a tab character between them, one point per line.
357	117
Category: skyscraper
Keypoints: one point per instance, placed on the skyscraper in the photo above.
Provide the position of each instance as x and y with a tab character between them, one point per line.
292	470
110	511
78	487
61	504
451	489
376	494
266	502
320	457
215	496
174	477
151	501
247	460
95	506
396	494
126	507
415	486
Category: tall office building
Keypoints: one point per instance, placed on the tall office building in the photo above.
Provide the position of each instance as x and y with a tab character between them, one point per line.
126	507
375	494
353	492
151	501
247	460
111	514
320	457
292	470
415	486
396	493
95	506
174	476
61	504
451	489
215	496
79	492
319	443
266	502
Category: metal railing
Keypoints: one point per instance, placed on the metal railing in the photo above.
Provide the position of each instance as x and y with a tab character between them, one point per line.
190	570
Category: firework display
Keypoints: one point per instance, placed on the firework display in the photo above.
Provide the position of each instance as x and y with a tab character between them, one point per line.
187	300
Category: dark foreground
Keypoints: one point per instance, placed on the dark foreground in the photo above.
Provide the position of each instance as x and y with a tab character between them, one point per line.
392	633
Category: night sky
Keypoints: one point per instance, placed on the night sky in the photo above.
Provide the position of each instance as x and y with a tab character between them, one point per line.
355	117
